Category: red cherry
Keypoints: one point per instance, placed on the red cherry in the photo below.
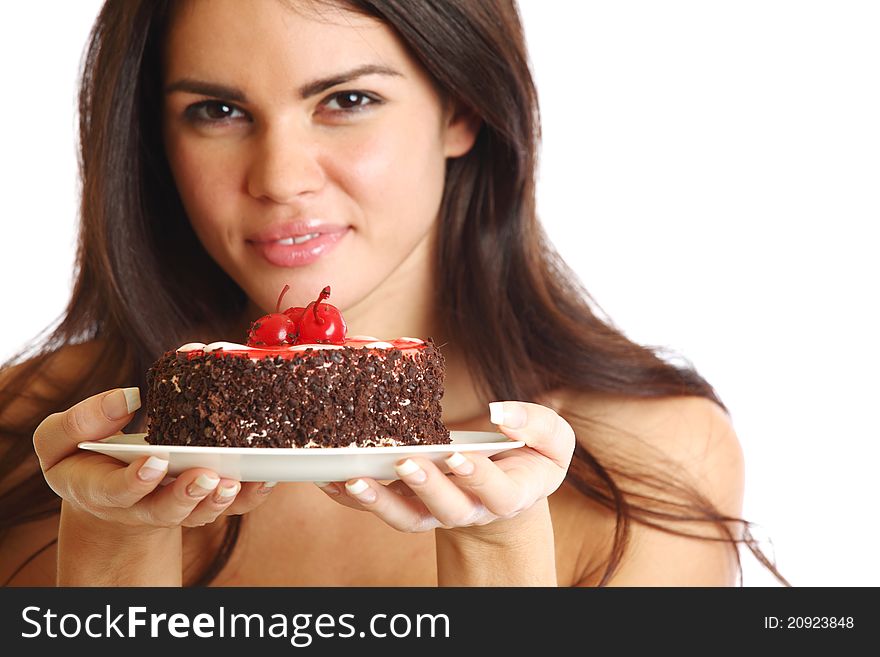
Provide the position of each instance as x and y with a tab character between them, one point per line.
295	315
273	329
321	322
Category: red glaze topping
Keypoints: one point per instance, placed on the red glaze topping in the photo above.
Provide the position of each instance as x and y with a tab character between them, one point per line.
288	352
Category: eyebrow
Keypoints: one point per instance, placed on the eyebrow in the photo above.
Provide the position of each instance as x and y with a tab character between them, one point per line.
305	91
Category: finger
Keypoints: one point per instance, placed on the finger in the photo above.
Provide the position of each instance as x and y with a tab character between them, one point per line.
94	418
124	487
214	505
95	480
171	504
499	493
541	428
449	504
251	495
337	492
406	514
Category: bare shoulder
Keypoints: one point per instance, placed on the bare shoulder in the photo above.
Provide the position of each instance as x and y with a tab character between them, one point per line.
20	400
23	399
65	361
56	370
686	441
691	432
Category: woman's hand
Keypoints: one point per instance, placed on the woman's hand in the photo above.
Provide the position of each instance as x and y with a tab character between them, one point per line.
129	497
479	490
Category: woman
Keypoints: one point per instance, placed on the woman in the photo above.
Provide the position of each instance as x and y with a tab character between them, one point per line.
396	141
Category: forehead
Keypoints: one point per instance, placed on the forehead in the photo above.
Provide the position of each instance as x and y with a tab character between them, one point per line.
253	39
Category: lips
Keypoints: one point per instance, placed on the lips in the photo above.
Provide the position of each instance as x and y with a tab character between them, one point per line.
296	244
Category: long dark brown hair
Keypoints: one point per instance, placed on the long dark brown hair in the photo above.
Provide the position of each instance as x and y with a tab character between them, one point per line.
145	283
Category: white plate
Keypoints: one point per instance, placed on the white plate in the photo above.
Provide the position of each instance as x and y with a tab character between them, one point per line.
291	464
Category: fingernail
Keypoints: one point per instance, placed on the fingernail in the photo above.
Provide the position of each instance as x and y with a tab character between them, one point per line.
152	469
132	399
509	414
202	485
268	486
459	464
362	491
119	403
226	493
411	470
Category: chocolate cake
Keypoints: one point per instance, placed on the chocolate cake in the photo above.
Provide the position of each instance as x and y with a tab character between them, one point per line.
360	393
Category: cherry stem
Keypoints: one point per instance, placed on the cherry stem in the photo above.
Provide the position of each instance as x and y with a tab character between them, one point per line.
280	297
325	294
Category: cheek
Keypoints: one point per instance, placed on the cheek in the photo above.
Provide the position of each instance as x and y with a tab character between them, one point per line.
205	178
395	175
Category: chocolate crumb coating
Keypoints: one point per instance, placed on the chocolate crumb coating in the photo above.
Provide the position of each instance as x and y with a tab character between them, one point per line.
349	397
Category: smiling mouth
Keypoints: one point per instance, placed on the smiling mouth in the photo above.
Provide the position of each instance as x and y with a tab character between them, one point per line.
299	249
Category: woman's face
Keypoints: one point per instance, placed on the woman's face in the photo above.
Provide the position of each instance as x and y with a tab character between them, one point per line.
308	148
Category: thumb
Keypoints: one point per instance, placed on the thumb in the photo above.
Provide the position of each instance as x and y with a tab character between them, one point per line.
541	428
94	418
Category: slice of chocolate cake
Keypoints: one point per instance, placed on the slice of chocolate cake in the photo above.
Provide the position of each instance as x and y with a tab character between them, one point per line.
360	393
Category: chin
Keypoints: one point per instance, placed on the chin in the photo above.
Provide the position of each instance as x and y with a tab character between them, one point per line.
305	286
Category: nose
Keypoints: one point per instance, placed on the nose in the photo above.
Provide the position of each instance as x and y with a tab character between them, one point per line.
285	166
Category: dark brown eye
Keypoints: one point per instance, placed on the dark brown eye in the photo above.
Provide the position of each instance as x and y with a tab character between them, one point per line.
218	110
213	111
348	100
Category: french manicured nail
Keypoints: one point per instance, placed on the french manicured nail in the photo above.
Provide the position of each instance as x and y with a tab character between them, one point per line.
202	485
119	403
411	470
267	486
132	399
361	490
509	414
226	493
459	464
152	469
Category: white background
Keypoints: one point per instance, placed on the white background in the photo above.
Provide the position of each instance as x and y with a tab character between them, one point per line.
710	169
